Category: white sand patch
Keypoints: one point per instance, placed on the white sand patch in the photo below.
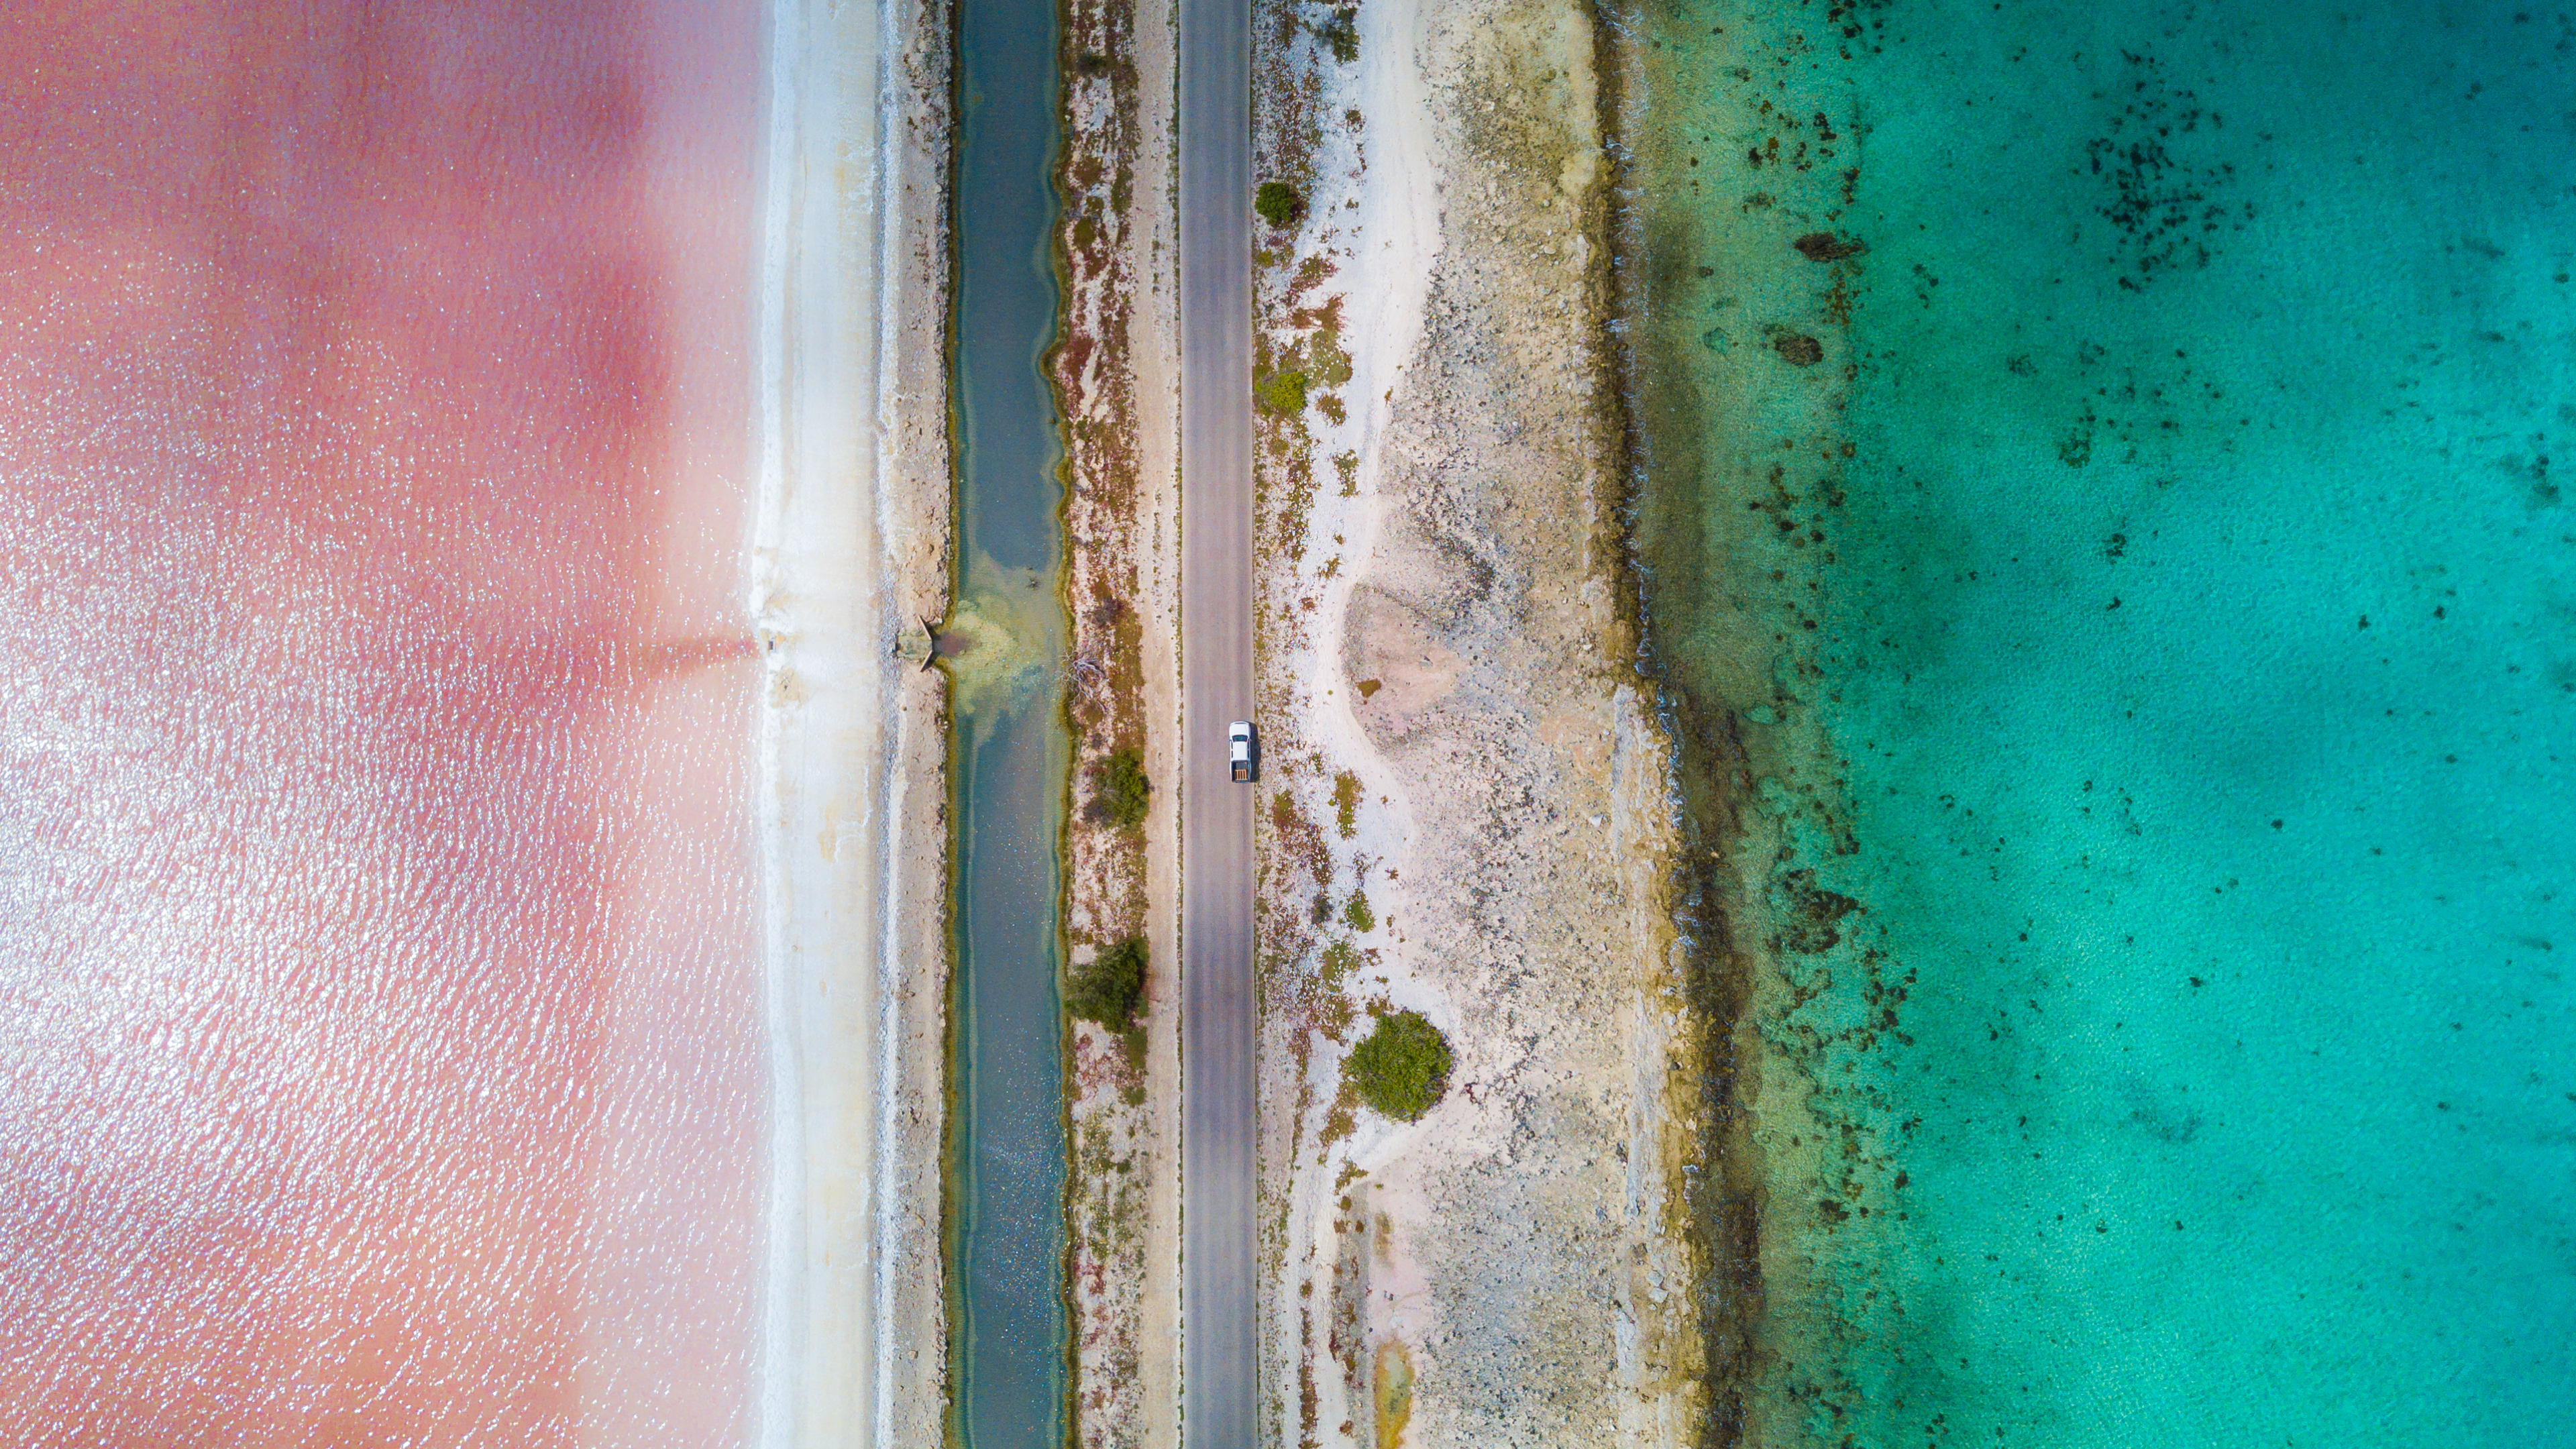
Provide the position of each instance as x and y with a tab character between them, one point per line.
1385	274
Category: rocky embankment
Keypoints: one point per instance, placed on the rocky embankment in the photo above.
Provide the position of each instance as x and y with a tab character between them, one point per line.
1467	811
852	547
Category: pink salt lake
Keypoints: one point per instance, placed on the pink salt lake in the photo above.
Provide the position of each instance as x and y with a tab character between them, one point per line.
380	1054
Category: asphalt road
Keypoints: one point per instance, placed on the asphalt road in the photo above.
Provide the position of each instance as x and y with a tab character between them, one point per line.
1220	1372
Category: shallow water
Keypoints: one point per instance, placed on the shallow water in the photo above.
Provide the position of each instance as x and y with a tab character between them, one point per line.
371	659
2139	633
1009	750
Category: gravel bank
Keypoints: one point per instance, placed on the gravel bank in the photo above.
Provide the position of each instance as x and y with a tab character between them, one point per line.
1460	744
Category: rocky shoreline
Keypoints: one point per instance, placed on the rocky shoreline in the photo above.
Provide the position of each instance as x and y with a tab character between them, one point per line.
1470	812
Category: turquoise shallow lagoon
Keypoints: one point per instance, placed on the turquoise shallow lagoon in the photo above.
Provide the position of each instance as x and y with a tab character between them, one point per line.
2104	542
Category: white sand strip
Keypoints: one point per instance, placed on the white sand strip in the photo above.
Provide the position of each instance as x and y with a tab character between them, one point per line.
851	547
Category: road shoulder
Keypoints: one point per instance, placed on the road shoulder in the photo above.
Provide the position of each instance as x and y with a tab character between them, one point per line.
1118	390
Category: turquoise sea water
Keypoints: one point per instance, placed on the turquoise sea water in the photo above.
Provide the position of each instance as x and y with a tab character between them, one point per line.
2122	620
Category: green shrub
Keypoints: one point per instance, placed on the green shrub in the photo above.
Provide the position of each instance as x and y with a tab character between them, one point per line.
1120	798
1111	988
1283	393
1346	803
1342	34
1362	919
1278	203
1402	1069
1326	359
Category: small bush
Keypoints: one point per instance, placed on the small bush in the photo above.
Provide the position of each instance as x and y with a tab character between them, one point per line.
1120	798
1346	802
1362	919
1338	1124
1342	34
1402	1069
1330	365
1111	988
1283	393
1278	203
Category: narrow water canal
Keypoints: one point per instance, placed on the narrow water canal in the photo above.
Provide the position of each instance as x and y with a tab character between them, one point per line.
1009	750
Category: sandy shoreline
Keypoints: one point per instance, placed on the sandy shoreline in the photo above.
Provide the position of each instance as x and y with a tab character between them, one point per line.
851	546
1458	731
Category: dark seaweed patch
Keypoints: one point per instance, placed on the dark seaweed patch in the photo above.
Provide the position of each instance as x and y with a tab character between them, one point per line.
1810	925
2161	198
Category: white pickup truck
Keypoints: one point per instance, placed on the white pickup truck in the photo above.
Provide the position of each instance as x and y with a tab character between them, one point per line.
1238	749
